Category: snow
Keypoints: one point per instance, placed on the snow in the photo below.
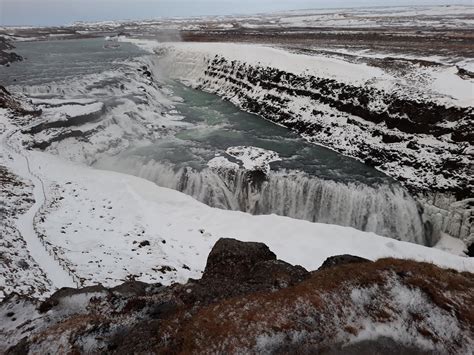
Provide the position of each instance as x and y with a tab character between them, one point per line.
448	83
276	58
445	17
188	61
66	111
222	162
222	69
21	165
451	245
96	224
254	158
94	220
407	301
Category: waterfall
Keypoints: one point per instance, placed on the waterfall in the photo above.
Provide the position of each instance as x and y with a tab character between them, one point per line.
386	210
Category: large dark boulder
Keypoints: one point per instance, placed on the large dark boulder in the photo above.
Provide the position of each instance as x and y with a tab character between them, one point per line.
238	268
131	289
235	259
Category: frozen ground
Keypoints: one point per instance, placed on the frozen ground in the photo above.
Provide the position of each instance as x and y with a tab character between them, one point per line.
106	227
442	31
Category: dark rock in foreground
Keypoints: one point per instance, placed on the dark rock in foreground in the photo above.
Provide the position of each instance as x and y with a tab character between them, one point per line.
249	302
238	268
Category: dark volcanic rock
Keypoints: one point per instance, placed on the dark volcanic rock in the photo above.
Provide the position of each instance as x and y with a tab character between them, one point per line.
6	56
8	102
131	288
22	348
237	268
341	260
233	258
470	250
390	138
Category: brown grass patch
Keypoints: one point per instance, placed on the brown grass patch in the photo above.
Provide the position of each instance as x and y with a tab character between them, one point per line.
233	324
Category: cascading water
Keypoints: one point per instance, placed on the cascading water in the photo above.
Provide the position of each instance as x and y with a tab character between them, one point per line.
386	210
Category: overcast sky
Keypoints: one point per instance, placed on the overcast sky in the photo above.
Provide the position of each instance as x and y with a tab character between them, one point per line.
60	12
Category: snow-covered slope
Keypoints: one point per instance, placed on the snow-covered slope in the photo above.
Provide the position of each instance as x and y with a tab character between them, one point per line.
106	227
415	125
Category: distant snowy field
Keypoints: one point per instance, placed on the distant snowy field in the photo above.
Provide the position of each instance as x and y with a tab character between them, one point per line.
453	16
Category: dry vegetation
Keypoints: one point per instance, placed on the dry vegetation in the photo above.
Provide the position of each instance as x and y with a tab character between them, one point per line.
321	311
362	307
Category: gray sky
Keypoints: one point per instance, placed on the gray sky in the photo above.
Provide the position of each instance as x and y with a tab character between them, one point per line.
60	12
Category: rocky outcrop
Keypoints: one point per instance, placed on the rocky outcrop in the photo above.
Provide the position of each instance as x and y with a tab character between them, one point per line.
249	302
6	56
388	118
15	106
236	268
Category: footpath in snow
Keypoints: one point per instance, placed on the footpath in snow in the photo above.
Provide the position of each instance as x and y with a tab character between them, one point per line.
25	223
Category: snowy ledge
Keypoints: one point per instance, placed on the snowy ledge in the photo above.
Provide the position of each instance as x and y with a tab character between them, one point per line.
252	158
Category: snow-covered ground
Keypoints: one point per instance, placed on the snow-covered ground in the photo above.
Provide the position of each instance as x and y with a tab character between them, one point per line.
254	158
107	227
454	16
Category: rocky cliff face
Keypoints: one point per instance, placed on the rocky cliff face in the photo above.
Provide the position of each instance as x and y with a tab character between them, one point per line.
424	141
16	106
6	56
249	302
391	129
